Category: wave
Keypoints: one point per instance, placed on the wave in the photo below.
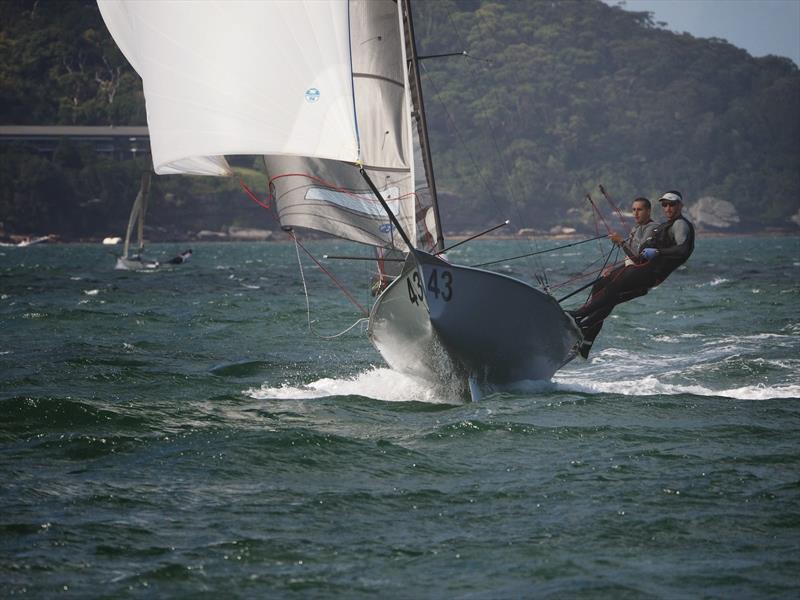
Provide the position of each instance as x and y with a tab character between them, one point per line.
714	282
26	415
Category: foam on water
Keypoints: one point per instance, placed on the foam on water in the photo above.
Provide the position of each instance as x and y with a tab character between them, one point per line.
712	367
716	281
377	383
651	386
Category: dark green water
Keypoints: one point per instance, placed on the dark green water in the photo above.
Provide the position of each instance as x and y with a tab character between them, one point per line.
181	434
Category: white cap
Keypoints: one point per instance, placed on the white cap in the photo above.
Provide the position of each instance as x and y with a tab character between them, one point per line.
672	196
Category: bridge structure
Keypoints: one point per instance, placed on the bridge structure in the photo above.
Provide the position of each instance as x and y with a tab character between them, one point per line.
119	143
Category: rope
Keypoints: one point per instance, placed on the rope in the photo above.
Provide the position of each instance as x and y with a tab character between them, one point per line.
311	329
494	262
329	274
622	219
591	283
291	234
476	167
598	213
586	273
253	197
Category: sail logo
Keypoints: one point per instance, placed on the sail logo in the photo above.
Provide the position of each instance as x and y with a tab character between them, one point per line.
386	228
312	95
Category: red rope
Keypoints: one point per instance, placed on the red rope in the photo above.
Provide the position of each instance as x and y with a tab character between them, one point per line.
253	197
597	211
614	206
329	274
586	274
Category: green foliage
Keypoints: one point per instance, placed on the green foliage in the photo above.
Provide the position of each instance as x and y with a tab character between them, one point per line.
577	93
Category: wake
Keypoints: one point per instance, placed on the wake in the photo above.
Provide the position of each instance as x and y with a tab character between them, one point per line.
377	383
651	386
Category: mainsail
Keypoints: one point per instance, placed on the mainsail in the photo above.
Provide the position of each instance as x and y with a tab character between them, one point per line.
319	89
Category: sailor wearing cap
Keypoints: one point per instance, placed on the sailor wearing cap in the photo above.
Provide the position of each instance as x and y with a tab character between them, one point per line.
668	247
672	241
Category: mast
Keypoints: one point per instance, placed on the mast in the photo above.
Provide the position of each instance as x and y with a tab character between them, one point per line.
416	84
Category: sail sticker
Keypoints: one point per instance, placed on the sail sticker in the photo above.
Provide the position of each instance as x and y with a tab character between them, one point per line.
312	95
386	228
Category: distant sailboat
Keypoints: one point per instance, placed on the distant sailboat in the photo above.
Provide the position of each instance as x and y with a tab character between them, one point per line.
329	93
136	262
30	241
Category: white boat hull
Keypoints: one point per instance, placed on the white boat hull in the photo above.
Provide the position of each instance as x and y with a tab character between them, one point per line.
135	264
476	329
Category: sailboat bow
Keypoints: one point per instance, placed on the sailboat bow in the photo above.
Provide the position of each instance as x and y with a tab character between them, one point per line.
475	330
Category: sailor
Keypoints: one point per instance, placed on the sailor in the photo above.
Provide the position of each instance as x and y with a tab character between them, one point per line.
669	246
181	258
641	209
631	246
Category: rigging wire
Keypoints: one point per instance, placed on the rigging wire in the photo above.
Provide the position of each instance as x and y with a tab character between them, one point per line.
311	329
541	278
596	212
494	262
513	204
591	283
525	187
476	167
622	219
297	242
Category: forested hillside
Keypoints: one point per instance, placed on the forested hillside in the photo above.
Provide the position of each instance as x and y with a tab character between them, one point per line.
553	99
579	93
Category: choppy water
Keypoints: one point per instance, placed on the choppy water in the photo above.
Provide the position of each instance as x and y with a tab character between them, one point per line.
180	433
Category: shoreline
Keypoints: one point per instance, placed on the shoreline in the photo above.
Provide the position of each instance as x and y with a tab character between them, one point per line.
13	241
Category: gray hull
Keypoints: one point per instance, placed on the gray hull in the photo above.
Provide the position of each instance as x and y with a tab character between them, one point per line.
471	328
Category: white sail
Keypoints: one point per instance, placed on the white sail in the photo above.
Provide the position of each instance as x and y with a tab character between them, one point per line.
331	196
315	86
137	217
240	77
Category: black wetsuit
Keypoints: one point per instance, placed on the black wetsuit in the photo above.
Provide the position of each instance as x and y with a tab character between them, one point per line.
633	281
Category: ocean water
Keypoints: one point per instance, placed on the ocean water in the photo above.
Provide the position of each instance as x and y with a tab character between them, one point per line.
191	432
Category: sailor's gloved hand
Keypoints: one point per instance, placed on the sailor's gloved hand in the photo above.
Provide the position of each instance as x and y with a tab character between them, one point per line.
649	253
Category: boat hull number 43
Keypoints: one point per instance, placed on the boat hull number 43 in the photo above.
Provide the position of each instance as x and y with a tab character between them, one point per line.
440	285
